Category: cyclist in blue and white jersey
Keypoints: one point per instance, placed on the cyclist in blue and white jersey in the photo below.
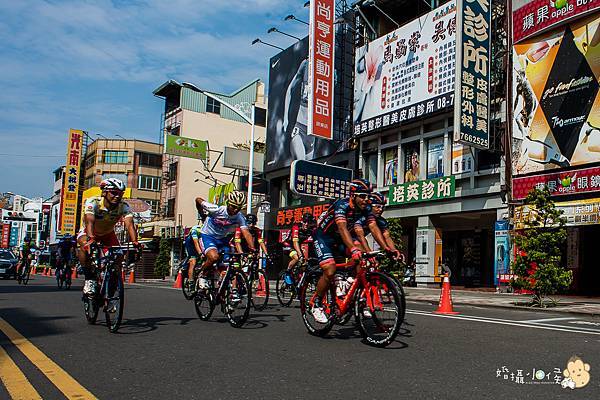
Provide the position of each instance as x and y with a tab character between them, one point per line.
219	226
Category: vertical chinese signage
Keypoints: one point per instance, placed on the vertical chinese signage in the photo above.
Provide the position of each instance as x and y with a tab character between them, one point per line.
471	110
502	251
320	63
70	190
5	235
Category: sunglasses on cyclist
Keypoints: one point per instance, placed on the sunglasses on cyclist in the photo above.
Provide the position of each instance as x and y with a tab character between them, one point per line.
363	196
115	192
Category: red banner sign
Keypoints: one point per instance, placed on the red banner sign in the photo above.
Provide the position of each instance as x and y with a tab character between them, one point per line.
5	235
561	183
539	15
321	64
288	217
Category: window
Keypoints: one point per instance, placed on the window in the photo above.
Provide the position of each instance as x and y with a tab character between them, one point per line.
411	161
150	160
435	158
90	160
390	166
115	157
170	208
213	106
172	172
154	205
121	177
370	167
146	182
90	181
260	116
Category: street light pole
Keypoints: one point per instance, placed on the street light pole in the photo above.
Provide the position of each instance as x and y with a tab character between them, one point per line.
248	120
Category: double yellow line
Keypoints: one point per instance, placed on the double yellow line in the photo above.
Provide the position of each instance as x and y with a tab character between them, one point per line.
17	384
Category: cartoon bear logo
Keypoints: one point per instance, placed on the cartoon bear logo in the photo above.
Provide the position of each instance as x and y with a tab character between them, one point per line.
577	374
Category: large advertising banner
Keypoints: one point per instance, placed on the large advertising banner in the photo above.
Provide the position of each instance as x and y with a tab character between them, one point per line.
5	235
474	53
556	104
287	132
502	251
534	16
407	74
321	56
70	190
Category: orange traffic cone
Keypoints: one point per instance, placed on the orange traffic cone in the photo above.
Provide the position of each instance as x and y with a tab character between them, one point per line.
445	306
122	275
33	270
261	289
49	271
179	281
131	277
45	272
74	273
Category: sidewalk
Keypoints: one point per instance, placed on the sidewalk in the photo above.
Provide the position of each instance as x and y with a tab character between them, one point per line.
566	304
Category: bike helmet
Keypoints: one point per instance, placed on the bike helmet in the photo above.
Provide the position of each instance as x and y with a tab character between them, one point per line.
236	199
360	186
27	238
377	199
308	218
112	184
251	219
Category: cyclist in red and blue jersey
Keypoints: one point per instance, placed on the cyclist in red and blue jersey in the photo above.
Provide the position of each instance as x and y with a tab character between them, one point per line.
376	225
333	237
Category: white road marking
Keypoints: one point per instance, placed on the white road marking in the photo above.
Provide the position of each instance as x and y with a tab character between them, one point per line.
508	322
535	321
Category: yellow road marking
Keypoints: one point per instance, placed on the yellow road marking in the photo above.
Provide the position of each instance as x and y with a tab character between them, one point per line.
58	376
15	382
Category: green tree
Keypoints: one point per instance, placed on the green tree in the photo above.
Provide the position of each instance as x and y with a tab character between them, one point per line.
395	229
162	265
538	265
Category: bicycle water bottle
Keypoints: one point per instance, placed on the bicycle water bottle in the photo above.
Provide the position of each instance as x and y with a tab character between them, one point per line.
288	279
340	285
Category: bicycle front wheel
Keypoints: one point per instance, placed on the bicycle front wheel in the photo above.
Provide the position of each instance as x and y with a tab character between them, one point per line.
90	308
237	299
285	292
27	276
188	287
115	302
308	293
260	290
378	310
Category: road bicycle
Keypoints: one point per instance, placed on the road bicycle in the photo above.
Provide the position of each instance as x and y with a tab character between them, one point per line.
257	280
188	286
372	297
289	282
110	290
227	287
63	275
25	272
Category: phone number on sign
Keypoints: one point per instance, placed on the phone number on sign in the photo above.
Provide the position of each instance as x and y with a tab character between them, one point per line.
476	140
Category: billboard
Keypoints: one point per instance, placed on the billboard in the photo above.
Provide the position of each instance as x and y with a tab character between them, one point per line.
218	194
474	51
287	132
186	147
407	74
556	104
70	189
309	178
585	180
321	56
240	158
535	16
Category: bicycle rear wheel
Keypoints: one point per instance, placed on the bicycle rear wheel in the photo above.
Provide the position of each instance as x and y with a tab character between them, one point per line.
188	287
27	276
260	290
237	299
378	310
115	302
307	297
285	292
204	303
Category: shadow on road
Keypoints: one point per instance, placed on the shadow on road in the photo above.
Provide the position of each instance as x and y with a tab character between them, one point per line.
31	325
261	320
34	287
143	325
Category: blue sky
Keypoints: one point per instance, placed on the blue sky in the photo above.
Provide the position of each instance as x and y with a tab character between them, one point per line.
93	66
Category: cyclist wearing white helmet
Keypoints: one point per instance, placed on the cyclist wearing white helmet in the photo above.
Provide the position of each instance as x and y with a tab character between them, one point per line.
220	225
101	214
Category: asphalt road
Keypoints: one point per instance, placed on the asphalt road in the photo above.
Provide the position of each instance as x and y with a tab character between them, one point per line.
164	351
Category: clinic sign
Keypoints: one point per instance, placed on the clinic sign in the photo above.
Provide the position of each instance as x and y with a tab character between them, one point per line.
473	68
427	190
531	17
70	189
321	66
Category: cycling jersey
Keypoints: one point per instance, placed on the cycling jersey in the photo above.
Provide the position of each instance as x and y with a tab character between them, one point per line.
364	222
256	237
105	219
340	210
190	248
27	248
64	248
219	223
305	238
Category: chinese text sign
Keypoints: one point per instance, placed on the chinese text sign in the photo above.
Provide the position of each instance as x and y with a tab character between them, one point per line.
70	189
427	190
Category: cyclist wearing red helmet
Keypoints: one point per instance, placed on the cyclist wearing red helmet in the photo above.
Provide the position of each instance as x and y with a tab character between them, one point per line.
333	237
101	214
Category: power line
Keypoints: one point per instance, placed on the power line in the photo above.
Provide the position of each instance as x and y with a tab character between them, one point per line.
28	155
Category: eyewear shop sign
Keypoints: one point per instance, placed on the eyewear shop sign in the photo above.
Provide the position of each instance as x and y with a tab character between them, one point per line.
571	182
407	74
473	70
415	192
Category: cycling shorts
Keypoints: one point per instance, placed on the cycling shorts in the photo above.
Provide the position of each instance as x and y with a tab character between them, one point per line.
190	249
108	240
208	242
327	247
